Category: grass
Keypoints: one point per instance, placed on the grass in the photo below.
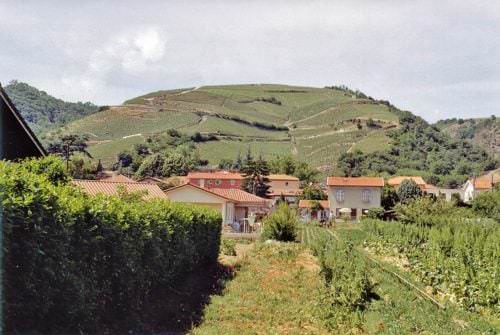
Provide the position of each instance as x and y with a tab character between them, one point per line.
377	140
214	151
307	111
232	128
275	291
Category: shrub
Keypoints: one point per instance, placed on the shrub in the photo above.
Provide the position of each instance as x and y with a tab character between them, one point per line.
376	213
488	204
408	191
74	262
281	225
227	247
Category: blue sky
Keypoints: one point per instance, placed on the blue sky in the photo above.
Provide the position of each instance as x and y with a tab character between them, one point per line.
436	59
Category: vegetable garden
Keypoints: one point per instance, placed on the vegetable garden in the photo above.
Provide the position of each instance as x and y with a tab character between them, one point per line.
370	295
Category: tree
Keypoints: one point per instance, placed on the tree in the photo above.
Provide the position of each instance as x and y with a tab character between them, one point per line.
255	173
68	145
389	197
226	164
351	163
408	191
238	163
313	192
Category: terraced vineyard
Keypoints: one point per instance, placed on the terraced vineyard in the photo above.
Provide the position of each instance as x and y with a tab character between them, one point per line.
396	303
314	124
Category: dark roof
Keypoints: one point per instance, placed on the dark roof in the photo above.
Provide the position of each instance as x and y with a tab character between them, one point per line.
8	129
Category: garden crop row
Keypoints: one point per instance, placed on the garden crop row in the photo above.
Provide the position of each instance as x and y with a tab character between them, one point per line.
459	258
77	262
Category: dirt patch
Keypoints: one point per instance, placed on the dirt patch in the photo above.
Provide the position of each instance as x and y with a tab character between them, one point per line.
308	261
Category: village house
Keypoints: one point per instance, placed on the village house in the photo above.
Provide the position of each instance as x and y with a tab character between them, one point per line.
438	192
216	179
314	210
238	208
475	186
353	196
107	187
17	141
284	186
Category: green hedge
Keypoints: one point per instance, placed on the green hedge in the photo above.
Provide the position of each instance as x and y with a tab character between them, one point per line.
77	262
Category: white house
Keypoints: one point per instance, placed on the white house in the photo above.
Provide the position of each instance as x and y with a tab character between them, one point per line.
474	186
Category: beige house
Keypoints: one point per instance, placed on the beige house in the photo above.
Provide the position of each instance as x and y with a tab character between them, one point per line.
235	205
353	196
282	185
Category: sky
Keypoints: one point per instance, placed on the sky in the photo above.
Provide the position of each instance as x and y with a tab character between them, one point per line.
437	59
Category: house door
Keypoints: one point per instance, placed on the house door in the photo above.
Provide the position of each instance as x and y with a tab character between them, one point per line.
354	213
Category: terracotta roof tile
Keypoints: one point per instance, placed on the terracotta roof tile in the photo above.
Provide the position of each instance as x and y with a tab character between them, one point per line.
483	183
94	187
277	177
396	181
238	195
355	181
214	175
308	203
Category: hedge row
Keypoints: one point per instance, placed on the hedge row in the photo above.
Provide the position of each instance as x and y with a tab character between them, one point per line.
74	262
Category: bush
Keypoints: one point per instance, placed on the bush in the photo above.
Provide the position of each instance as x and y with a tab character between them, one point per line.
227	247
376	213
408	191
281	225
488	204
74	262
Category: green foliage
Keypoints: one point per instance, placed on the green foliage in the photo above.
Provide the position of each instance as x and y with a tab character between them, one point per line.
376	213
420	147
426	211
389	197
227	247
286	164
255	173
281	225
408	191
455	256
313	192
351	163
488	204
74	262
42	111
347	281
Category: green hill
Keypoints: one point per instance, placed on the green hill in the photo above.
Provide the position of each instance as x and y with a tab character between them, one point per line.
42	111
314	124
484	132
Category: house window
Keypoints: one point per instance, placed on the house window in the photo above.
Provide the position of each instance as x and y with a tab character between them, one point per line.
218	182
232	182
286	183
339	195
366	195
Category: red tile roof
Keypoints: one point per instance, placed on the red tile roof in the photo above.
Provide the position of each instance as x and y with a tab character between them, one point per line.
214	175
277	177
238	195
396	181
308	203
94	187
116	178
355	181
483	183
